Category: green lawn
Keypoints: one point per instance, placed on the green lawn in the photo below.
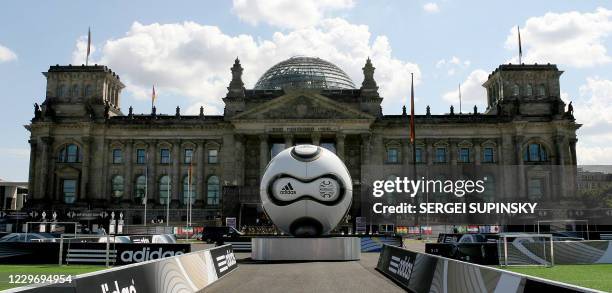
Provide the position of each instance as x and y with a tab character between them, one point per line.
597	276
6	270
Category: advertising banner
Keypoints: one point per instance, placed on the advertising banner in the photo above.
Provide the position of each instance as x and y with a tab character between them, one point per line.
421	273
128	253
230	222
190	272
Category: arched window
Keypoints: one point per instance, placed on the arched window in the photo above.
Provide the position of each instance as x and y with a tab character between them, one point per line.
117	186
61	90
140	187
75	91
164	189
69	188
515	90
189	191
528	90
535	152
88	90
70	153
213	191
541	90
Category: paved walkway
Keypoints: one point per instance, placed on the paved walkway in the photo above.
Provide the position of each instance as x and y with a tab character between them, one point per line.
353	276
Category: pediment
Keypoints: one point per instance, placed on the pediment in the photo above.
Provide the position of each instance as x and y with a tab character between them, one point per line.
302	105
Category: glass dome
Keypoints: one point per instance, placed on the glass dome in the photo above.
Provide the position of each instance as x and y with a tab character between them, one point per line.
304	72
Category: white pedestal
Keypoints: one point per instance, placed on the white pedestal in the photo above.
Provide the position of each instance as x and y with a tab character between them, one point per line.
305	249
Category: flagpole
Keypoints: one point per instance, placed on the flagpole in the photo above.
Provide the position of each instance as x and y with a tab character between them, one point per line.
188	194
88	45
413	141
459	98
518	28
168	201
146	195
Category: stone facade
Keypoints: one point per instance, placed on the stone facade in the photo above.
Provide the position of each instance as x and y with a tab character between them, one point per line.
88	154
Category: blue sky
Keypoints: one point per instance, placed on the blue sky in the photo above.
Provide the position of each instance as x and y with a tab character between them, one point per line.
186	49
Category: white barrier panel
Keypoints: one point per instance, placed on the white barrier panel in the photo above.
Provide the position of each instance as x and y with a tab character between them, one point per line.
190	272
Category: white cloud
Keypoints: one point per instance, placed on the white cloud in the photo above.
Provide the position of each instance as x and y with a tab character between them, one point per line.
472	93
6	54
431	7
193	61
453	64
80	51
571	38
287	13
593	109
19	153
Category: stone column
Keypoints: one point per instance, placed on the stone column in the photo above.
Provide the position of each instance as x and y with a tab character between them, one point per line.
340	136
86	154
44	186
200	162
264	153
239	142
152	173
522	183
129	164
288	140
452	152
365	150
429	156
572	144
559	182
477	152
316	138
177	180
32	190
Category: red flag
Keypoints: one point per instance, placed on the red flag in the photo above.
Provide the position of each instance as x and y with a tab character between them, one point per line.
412	135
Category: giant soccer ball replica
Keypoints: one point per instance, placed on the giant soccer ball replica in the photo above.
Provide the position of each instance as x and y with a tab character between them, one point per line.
306	190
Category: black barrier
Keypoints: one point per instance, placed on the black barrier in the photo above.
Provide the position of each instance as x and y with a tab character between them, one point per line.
48	252
183	273
421	273
478	253
29	252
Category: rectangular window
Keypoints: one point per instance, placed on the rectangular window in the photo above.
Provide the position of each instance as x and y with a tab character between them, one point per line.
464	155
330	146
188	156
213	157
487	155
164	156
117	156
392	155
535	188
441	155
419	155
140	156
276	149
69	190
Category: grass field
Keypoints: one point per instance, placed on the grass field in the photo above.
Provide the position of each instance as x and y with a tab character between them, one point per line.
590	276
6	270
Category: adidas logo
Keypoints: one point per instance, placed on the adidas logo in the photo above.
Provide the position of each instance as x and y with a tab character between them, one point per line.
287	189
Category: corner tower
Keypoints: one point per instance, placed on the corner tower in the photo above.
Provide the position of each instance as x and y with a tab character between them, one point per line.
90	92
524	90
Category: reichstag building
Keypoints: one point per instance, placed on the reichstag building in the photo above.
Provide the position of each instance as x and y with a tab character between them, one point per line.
91	154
